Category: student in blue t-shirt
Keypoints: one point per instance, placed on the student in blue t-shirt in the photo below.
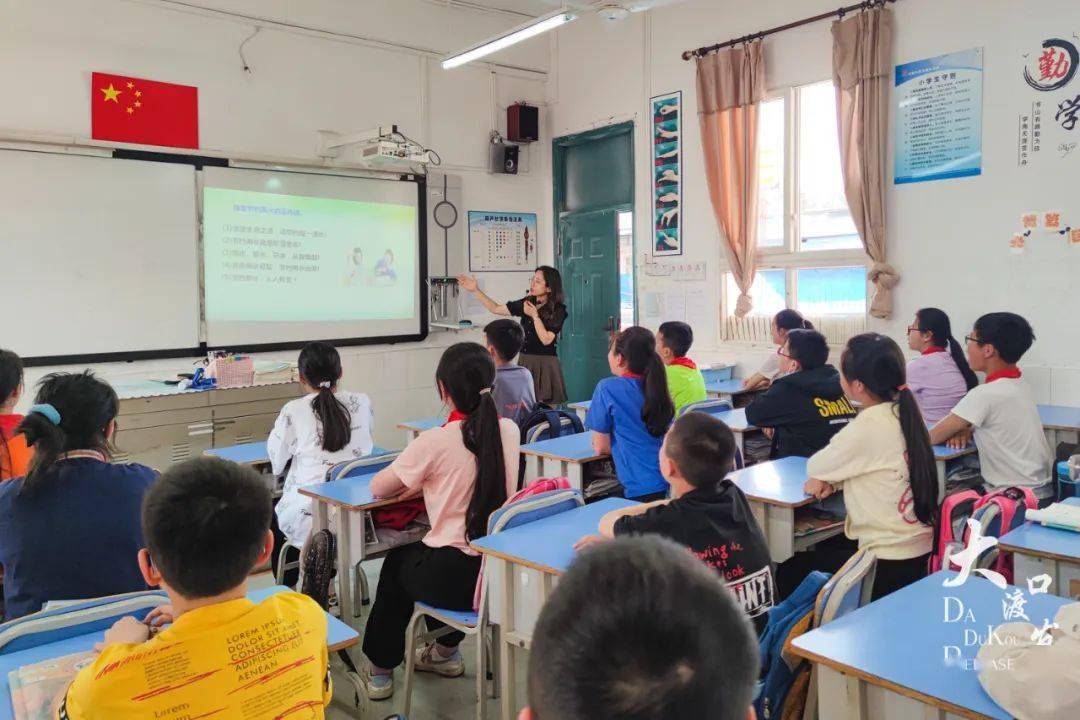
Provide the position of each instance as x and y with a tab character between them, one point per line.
631	412
71	528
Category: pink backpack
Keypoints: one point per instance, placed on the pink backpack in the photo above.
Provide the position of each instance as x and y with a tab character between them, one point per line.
951	530
537	487
997	512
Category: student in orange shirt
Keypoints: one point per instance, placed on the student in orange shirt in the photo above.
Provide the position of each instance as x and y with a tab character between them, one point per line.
14	454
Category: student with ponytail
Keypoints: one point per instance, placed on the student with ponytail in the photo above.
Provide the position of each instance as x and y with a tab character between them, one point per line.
464	470
940	376
70	529
884	463
782	323
14	453
631	412
315	432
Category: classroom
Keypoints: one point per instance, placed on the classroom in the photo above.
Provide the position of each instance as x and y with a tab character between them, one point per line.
540	359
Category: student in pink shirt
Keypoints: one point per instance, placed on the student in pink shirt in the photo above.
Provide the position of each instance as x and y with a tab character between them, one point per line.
940	376
464	470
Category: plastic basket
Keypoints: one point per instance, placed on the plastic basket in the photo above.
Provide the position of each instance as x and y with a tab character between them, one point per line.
232	372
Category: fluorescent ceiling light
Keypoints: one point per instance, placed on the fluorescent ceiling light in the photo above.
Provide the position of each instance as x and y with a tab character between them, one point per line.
511	37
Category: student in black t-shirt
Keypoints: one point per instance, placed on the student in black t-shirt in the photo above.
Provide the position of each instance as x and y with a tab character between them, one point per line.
805	406
707	513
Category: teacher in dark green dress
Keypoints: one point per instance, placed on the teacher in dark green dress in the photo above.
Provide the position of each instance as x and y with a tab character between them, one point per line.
542	314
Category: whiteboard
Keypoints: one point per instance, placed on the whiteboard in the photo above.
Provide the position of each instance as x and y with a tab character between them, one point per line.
99	255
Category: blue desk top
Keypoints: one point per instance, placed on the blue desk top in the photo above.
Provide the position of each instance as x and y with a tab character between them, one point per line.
776	482
944	452
255	453
339	635
422	425
1034	539
734	419
901	638
1060	417
580	405
352	492
548	544
734	386
572	448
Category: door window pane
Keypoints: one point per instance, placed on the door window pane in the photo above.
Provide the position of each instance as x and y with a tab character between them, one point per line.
768	292
831	291
770	228
626	269
824	220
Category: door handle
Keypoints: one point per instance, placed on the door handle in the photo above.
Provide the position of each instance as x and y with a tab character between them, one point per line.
612	326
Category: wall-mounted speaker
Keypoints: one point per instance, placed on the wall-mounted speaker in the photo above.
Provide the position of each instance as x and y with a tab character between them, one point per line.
504	159
522	123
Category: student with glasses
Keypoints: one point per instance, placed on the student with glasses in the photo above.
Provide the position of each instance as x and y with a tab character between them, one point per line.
940	376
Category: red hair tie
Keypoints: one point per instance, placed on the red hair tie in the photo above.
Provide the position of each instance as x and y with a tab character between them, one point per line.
902	388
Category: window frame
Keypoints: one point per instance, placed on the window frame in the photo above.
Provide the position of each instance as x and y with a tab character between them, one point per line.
790	256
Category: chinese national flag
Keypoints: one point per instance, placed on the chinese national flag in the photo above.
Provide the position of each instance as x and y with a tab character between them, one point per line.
133	110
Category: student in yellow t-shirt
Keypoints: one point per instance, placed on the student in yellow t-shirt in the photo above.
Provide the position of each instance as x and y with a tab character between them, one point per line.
207	524
685	382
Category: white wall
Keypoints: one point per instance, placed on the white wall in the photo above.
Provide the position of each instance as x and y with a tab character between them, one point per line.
949	239
313	68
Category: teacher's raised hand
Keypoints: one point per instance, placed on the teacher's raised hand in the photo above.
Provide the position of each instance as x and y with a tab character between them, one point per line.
467	282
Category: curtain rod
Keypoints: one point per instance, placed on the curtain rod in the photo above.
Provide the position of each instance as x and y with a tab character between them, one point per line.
839	12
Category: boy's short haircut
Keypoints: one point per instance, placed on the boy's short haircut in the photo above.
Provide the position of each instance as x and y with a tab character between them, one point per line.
205	521
809	347
639	629
678	336
702	446
506	336
1010	334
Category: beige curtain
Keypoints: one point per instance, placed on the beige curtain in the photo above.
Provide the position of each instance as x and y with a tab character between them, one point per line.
730	84
862	52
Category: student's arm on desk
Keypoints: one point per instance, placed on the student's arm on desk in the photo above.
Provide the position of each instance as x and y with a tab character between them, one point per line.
281	444
843	458
952	430
755	382
387	484
608	521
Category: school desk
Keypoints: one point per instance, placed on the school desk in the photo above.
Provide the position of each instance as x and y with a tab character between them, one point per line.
736	420
887	659
560	457
775	492
1057	419
942	455
413	428
581	408
726	389
256	455
339	637
522	564
1038	549
352	497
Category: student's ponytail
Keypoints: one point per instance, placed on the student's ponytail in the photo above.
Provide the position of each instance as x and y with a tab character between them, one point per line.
11	379
466	376
876	361
637	346
320	367
72	412
788	319
936	322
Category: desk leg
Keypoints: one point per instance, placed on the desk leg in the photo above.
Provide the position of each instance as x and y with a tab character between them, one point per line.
581	413
345	565
410	435
940	464
840	697
507	663
781	534
739	445
576	475
532	468
761	516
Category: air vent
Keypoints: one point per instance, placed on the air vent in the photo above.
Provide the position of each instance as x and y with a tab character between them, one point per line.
179	452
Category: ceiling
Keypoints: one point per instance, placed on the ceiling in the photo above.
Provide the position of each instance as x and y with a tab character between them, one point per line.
536	8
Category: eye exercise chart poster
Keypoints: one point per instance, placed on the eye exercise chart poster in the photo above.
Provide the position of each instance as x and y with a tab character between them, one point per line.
502	241
939	117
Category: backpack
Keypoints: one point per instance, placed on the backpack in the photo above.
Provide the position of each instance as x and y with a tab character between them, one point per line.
950	533
785	677
545	423
998	513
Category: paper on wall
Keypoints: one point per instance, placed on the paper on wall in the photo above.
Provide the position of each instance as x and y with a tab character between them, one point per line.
675	302
699	315
652	309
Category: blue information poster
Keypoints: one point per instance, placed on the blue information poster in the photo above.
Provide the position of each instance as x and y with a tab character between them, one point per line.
939	117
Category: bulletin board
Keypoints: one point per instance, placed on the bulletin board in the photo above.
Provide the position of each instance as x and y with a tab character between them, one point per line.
502	241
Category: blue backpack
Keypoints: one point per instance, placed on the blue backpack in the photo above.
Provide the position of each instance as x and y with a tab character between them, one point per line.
547	423
785	679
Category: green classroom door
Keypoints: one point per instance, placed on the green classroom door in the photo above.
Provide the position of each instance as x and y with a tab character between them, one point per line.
588	260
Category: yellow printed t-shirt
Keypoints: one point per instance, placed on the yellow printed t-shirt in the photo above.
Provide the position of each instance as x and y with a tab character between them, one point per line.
235	660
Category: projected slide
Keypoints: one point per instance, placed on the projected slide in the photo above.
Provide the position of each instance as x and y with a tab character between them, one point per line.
308	257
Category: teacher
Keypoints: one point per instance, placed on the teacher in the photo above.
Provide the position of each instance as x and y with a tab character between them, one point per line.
543	313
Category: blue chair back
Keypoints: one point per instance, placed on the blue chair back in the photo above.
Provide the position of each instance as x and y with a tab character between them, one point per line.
361	466
848	589
532	508
713	407
717	374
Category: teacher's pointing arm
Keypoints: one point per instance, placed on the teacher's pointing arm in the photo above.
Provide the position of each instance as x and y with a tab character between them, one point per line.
469	283
546	336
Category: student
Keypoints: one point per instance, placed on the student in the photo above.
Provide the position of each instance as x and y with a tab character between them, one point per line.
805	406
685	381
514	396
782	323
315	432
70	529
631	412
708	514
207	525
1002	412
638	630
884	464
940	375
14	453
464	470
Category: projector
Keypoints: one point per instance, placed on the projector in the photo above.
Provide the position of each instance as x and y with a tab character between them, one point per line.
382	147
381	153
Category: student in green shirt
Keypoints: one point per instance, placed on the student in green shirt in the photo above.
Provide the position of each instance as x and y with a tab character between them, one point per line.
685	382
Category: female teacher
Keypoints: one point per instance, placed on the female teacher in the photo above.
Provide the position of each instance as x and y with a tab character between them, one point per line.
543	312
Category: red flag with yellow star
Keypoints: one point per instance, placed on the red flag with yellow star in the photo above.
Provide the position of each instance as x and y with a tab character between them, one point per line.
147	112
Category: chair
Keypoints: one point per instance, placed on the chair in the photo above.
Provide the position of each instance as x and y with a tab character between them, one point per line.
712	406
474	624
847	590
74	618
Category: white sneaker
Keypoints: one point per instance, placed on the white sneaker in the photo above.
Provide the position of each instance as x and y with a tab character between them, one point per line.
428	661
378	687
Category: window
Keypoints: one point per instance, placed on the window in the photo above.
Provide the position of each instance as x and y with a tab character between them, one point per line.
626	269
810	255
